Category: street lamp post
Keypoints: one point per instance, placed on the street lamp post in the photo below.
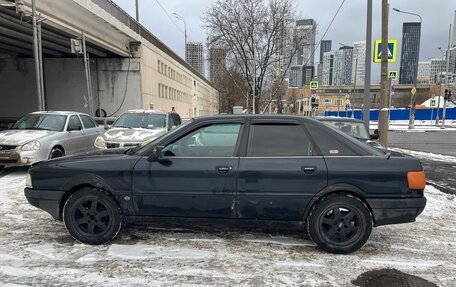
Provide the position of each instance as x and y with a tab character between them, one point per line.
185	31
412	100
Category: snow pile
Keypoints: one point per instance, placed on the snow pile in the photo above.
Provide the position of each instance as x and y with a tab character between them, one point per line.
427	155
36	250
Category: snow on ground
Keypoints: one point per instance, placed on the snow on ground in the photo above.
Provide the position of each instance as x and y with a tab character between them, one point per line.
36	250
420	126
427	155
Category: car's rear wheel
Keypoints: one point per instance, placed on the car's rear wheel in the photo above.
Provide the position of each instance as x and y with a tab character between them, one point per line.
340	224
92	216
56	152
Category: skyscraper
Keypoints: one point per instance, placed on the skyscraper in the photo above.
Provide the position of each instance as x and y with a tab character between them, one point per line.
453	41
342	67
217	63
438	68
359	64
424	72
328	68
195	56
411	33
325	46
296	79
306	28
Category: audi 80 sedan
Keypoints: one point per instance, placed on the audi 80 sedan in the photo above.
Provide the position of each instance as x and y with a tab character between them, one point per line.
45	135
243	168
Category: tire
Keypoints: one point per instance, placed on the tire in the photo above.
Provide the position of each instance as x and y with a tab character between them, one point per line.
339	224
56	153
2	167
92	216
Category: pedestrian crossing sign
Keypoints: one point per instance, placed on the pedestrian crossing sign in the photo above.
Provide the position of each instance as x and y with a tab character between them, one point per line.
314	85
392	75
392	51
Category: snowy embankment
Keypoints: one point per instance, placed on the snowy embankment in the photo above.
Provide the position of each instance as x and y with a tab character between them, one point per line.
36	250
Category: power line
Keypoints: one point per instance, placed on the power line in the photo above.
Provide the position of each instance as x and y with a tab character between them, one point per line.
170	18
324	34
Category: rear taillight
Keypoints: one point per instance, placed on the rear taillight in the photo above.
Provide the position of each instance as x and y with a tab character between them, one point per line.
416	179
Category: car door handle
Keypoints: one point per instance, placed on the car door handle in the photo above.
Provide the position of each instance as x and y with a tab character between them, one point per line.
224	169
309	169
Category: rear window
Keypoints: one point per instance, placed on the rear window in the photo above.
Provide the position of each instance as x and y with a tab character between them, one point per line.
274	140
87	122
329	143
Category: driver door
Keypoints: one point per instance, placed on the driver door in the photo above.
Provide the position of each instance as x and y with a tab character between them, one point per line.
196	177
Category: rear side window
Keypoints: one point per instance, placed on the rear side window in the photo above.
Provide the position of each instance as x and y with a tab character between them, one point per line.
329	144
273	140
87	122
74	121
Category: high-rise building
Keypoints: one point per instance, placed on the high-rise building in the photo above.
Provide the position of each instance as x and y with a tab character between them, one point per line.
296	79
325	46
359	63
438	68
327	68
194	56
217	63
308	74
411	32
424	72
307	29
342	67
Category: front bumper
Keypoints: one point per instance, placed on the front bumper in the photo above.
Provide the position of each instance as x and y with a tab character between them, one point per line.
397	210
47	200
15	157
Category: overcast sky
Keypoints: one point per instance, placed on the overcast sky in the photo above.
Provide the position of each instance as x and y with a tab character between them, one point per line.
348	27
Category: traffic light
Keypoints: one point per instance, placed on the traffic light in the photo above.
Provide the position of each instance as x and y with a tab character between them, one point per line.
447	94
314	102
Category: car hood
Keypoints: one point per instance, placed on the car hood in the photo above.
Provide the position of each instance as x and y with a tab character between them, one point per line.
20	137
133	135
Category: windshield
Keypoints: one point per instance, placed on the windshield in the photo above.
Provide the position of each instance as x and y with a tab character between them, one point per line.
142	120
354	129
41	122
147	144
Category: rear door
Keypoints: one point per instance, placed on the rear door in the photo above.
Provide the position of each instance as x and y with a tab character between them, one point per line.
91	131
280	172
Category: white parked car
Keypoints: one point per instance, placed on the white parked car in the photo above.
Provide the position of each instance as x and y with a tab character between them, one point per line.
135	127
45	135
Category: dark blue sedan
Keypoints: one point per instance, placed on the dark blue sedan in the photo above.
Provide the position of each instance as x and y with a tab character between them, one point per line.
237	168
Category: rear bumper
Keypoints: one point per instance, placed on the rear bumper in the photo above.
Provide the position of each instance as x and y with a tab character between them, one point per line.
397	210
47	200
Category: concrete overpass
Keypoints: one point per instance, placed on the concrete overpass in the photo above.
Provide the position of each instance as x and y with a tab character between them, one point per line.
129	67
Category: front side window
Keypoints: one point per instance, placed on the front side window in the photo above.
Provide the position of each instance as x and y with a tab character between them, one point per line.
74	122
274	140
216	140
141	120
41	122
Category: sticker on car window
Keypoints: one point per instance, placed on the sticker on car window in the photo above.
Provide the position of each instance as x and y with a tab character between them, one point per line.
333	151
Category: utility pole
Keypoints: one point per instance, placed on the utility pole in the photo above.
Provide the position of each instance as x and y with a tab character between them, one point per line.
87	74
185	32
383	116
446	79
36	57
367	78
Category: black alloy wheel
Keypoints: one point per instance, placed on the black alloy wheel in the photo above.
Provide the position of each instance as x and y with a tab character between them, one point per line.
56	152
340	224
92	216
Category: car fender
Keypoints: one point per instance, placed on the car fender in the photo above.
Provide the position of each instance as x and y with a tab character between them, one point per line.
86	179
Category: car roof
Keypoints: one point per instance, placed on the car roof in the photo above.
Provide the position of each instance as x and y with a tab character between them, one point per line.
61	113
139	111
251	116
338	119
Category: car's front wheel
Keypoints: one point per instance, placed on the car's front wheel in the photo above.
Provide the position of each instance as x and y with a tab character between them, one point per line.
340	224
92	216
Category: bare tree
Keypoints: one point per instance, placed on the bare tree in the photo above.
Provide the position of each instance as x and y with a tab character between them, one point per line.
259	38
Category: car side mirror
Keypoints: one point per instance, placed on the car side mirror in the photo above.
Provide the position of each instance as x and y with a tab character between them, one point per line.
74	128
157	154
10	126
107	127
374	136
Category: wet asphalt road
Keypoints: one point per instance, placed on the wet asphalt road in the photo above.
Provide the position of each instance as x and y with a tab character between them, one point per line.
440	174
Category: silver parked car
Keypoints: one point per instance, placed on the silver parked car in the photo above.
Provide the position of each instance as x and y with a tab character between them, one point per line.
135	127
45	135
